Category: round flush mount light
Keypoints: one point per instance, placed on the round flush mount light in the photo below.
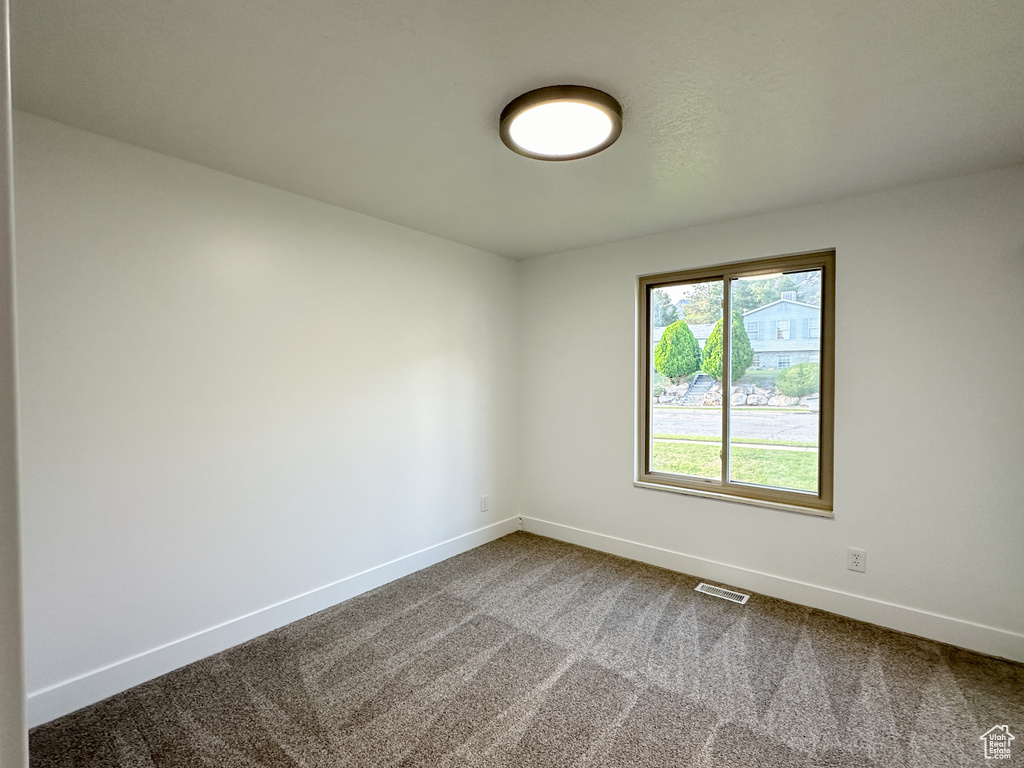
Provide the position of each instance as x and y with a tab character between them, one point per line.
561	122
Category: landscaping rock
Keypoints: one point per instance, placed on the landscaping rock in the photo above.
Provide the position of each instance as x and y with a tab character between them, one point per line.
739	394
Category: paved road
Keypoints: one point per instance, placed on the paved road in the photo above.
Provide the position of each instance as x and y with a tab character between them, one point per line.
764	425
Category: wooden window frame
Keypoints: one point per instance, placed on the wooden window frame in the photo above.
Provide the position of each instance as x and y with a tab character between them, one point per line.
820	503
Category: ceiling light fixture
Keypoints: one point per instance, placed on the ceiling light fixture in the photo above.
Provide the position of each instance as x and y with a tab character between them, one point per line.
561	122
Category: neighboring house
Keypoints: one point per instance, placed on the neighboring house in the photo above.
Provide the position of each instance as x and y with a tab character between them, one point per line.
784	333
701	331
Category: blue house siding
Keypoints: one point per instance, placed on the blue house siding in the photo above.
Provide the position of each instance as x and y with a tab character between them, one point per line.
797	324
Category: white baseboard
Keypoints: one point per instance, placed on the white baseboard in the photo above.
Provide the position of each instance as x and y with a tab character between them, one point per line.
67	696
965	634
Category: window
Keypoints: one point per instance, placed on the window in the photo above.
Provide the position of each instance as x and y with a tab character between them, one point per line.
736	430
813	328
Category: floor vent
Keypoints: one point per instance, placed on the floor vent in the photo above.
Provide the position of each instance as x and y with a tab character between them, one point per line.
725	594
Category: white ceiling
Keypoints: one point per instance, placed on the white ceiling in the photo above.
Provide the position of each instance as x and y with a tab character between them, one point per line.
390	107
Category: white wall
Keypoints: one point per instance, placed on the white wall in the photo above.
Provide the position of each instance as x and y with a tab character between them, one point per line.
929	417
233	396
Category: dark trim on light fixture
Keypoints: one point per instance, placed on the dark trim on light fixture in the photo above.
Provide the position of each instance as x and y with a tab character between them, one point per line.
556	93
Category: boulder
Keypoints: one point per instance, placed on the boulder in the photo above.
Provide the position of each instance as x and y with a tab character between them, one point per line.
738	398
757	399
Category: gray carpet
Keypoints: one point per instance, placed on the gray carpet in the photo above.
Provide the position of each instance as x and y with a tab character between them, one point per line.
530	652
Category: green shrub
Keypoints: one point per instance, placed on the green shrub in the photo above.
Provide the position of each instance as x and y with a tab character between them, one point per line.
741	351
678	353
798	380
762	379
658	391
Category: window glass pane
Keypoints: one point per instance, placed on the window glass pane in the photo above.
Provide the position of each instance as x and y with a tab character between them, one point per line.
686	401
773	402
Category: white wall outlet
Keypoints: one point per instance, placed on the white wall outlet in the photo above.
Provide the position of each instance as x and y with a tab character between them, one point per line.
856	559
485	503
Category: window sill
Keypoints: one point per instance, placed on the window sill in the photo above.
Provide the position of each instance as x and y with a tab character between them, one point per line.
718	496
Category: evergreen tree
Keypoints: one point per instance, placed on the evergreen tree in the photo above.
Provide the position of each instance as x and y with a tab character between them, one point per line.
785	283
740	350
663	311
678	353
705	303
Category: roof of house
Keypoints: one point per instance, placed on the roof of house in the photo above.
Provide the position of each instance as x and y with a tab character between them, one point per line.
700	330
781	301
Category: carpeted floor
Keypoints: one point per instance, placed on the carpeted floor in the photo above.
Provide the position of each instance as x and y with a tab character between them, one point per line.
530	652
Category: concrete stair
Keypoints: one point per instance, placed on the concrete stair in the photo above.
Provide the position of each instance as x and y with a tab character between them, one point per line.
698	388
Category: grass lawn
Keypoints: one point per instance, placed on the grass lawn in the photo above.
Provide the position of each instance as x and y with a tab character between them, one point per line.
762	466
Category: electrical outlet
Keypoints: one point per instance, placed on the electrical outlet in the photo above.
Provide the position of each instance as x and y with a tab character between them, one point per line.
485	503
856	559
